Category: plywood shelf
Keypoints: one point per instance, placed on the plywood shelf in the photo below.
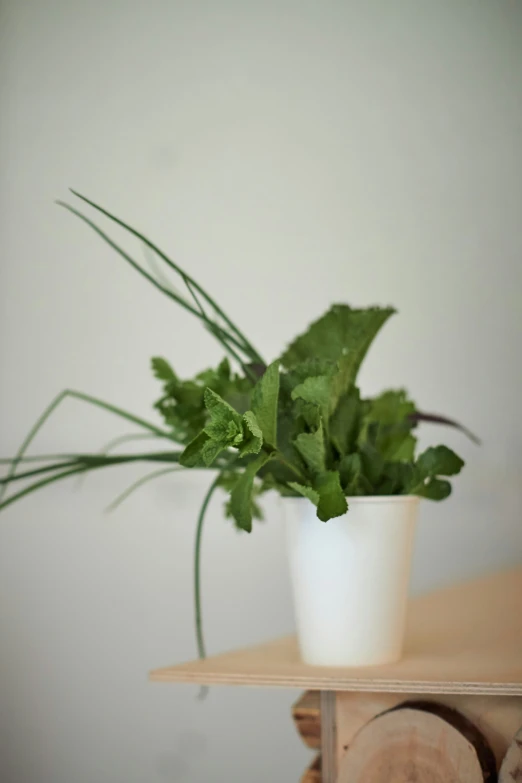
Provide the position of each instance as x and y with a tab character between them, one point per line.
462	640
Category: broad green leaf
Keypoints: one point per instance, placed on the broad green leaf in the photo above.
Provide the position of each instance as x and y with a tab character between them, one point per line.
253	437
241	496
386	422
372	463
353	480
316	390
306	492
397	479
435	489
344	422
309	412
332	502
439	461
341	332
264	403
162	369
309	368
401	450
311	447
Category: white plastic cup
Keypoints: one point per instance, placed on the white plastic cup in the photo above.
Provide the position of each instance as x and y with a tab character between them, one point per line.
350	579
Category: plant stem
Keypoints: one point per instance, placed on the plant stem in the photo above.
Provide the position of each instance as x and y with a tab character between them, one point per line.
280	458
197	568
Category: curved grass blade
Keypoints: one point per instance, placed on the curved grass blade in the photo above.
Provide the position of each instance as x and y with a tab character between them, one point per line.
97	461
115	442
167	291
220	334
137	484
253	354
39	458
433	418
85	398
38	471
40	484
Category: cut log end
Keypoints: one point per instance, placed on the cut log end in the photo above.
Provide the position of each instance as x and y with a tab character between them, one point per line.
313	773
511	769
424	742
306	713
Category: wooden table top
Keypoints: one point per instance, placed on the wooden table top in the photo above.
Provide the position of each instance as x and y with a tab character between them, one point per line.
463	639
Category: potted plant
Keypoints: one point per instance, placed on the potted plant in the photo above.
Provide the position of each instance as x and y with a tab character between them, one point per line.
345	466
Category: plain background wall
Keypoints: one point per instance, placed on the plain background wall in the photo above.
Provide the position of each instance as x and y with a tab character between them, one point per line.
289	155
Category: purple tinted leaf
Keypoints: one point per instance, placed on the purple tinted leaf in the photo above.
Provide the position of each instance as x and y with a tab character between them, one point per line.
433	418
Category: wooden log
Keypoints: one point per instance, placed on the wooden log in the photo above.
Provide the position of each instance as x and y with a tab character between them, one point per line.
313	773
497	717
421	741
306	713
511	769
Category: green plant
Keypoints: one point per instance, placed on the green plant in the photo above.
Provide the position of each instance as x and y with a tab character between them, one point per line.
298	426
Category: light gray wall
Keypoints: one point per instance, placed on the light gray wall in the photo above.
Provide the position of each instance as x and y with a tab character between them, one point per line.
289	154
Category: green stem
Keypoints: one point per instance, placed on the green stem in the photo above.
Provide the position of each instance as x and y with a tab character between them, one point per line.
98	461
254	355
279	458
38	471
197	567
39	458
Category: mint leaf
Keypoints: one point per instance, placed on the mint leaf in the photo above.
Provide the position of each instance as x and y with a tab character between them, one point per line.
311	447
242	493
253	437
162	369
226	425
306	492
265	398
341	332
192	457
439	461
211	449
219	410
332	502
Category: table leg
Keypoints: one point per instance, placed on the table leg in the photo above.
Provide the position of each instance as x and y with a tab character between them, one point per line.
328	741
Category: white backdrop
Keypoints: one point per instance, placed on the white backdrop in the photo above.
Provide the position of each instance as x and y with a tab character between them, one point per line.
289	155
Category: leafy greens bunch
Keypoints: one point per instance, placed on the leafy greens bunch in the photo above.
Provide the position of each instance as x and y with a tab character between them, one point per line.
298	426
